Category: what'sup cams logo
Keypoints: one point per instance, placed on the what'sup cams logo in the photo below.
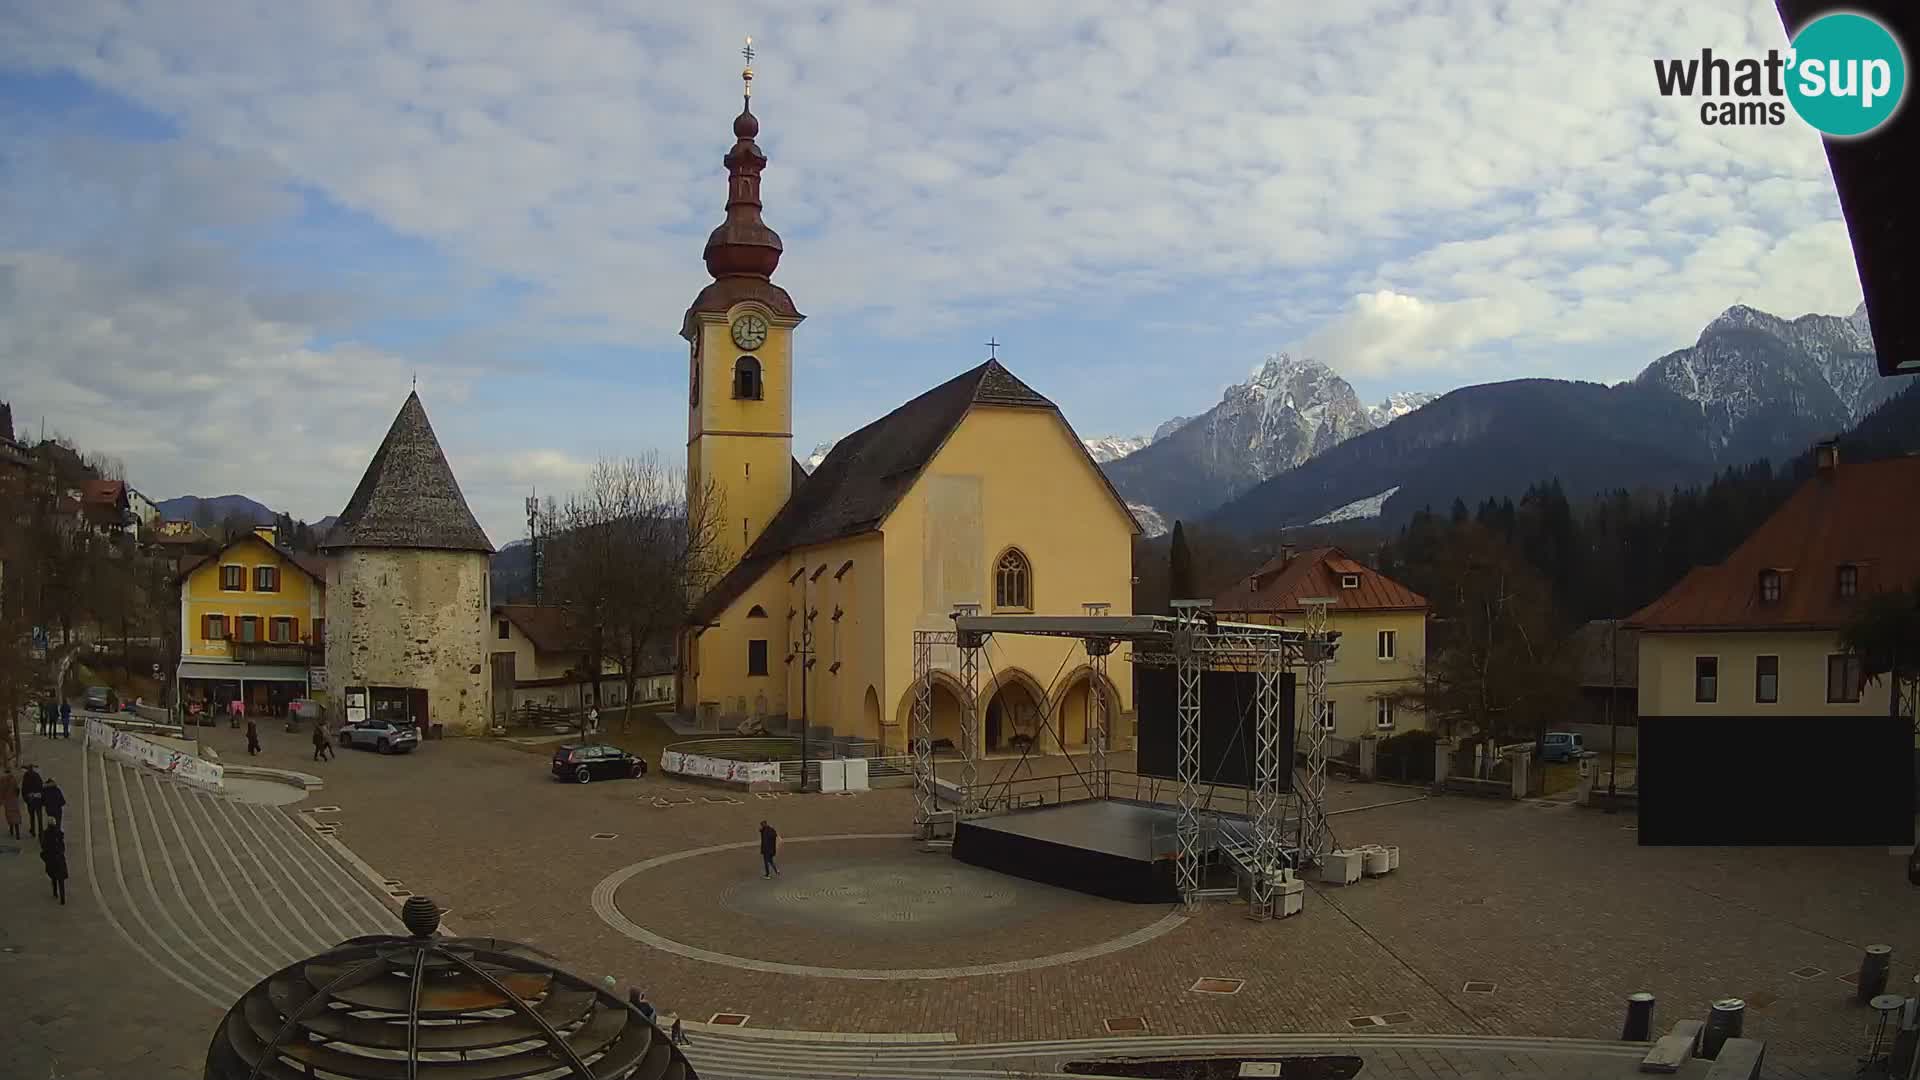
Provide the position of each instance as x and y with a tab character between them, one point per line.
1844	74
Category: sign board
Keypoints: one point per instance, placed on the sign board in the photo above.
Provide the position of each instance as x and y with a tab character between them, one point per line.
317	679
738	772
133	749
356	699
356	715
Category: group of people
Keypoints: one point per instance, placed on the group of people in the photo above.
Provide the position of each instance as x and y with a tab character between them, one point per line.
54	721
322	740
46	808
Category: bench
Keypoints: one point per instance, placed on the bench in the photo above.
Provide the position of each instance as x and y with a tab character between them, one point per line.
1672	1051
1739	1059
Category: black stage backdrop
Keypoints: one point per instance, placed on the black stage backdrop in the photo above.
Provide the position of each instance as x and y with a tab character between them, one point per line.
1226	725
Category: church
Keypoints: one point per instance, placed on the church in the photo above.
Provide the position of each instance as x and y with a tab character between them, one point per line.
976	492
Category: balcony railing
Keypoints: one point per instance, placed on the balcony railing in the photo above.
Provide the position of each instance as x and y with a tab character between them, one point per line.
273	652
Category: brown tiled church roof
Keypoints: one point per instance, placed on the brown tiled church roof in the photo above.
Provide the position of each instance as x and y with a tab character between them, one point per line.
1280	585
1866	516
408	497
867	473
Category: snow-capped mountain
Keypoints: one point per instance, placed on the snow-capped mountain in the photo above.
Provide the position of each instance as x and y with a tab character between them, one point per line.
1290	410
1113	447
1766	385
812	461
1397	406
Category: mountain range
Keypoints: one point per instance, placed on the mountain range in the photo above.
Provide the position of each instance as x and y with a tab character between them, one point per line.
1751	386
220	508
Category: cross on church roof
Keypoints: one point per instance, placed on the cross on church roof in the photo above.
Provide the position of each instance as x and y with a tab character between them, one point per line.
993	349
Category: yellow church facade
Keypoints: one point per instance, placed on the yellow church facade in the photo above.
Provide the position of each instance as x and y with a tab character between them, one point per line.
977	492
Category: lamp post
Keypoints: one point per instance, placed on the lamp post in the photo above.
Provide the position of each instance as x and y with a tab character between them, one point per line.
1613	723
804	650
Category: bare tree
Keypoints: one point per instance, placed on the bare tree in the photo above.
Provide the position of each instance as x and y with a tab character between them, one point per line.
628	555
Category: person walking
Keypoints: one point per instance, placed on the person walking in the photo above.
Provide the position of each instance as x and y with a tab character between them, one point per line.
320	745
66	719
10	802
679	1034
31	789
253	737
769	846
54	800
53	853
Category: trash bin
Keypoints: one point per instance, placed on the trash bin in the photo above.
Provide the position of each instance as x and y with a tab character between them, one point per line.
1723	1023
434	731
1874	965
1639	1025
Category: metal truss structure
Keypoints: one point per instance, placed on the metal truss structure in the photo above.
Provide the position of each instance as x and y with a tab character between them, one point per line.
1191	641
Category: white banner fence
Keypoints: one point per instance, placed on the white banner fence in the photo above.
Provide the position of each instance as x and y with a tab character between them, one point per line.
738	772
135	750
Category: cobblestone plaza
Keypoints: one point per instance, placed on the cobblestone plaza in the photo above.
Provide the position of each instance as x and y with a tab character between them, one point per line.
1551	912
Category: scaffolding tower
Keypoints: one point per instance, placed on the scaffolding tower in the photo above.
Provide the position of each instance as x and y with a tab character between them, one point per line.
1289	828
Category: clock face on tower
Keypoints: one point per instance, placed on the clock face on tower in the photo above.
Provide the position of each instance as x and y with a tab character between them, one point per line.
750	331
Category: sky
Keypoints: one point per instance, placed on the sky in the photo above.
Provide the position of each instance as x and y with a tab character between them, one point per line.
234	235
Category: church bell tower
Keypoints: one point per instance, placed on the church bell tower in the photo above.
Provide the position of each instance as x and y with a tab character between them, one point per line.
739	332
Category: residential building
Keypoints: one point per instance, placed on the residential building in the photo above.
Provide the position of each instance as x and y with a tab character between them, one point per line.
1757	635
539	656
1606	656
407	592
252	616
181	542
976	492
1382	627
106	508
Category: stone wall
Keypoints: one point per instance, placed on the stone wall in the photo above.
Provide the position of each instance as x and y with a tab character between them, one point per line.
412	618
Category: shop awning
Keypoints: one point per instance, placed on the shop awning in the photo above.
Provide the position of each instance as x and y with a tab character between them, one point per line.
250	672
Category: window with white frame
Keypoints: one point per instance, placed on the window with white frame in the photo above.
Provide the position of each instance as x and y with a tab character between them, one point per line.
1383	714
1384	644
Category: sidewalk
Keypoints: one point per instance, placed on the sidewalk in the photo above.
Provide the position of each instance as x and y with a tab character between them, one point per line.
82	1004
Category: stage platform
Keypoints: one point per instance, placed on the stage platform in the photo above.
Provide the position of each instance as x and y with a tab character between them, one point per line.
1104	847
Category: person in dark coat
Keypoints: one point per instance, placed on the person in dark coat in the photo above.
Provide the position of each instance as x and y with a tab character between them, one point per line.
10	802
53	853
769	846
640	1003
32	789
320	745
66	719
55	801
253	737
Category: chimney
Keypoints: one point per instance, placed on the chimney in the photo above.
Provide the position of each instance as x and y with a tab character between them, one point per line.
1286	554
1826	457
265	532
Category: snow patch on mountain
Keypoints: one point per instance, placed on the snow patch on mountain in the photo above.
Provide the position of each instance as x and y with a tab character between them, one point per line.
812	461
1152	522
1397	406
1114	447
1359	509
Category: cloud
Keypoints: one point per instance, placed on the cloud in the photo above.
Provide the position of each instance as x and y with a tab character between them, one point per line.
1399	184
1387	332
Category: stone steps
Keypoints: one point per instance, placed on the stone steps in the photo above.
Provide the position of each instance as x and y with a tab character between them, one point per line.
217	892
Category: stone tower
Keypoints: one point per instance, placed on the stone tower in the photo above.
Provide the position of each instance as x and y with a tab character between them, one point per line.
407	594
740	363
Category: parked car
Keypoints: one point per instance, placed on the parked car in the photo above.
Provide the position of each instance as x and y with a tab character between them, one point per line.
98	699
1562	746
383	735
582	764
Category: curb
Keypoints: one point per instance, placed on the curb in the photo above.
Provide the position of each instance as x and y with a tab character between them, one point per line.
303	781
941	1038
354	864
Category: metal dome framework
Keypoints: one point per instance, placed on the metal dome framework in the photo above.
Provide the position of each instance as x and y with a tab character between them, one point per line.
424	1008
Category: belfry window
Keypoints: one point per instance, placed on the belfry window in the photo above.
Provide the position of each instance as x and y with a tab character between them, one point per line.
1013	581
746	379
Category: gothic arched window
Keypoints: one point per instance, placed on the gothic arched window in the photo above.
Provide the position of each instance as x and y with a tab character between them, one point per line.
746	378
1013	581
757	612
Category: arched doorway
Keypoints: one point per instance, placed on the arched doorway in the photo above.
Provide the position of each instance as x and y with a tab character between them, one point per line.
870	714
1011	721
1071	716
946	714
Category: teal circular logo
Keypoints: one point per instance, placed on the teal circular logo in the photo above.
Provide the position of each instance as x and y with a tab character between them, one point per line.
1846	74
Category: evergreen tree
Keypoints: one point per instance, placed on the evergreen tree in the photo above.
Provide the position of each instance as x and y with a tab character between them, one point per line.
1180	566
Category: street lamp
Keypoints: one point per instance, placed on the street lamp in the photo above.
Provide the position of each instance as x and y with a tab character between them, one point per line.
804	650
1613	723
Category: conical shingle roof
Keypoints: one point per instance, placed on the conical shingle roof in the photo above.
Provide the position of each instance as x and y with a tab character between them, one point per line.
408	497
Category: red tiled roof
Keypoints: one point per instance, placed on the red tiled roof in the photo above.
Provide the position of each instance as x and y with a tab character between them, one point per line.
107	492
1865	515
1283	582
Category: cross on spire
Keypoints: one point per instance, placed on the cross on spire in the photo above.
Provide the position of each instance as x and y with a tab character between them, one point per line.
746	74
993	349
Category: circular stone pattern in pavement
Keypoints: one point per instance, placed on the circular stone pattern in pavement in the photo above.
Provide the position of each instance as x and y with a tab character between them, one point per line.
875	897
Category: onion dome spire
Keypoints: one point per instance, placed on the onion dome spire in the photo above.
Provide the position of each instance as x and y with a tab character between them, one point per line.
743	245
